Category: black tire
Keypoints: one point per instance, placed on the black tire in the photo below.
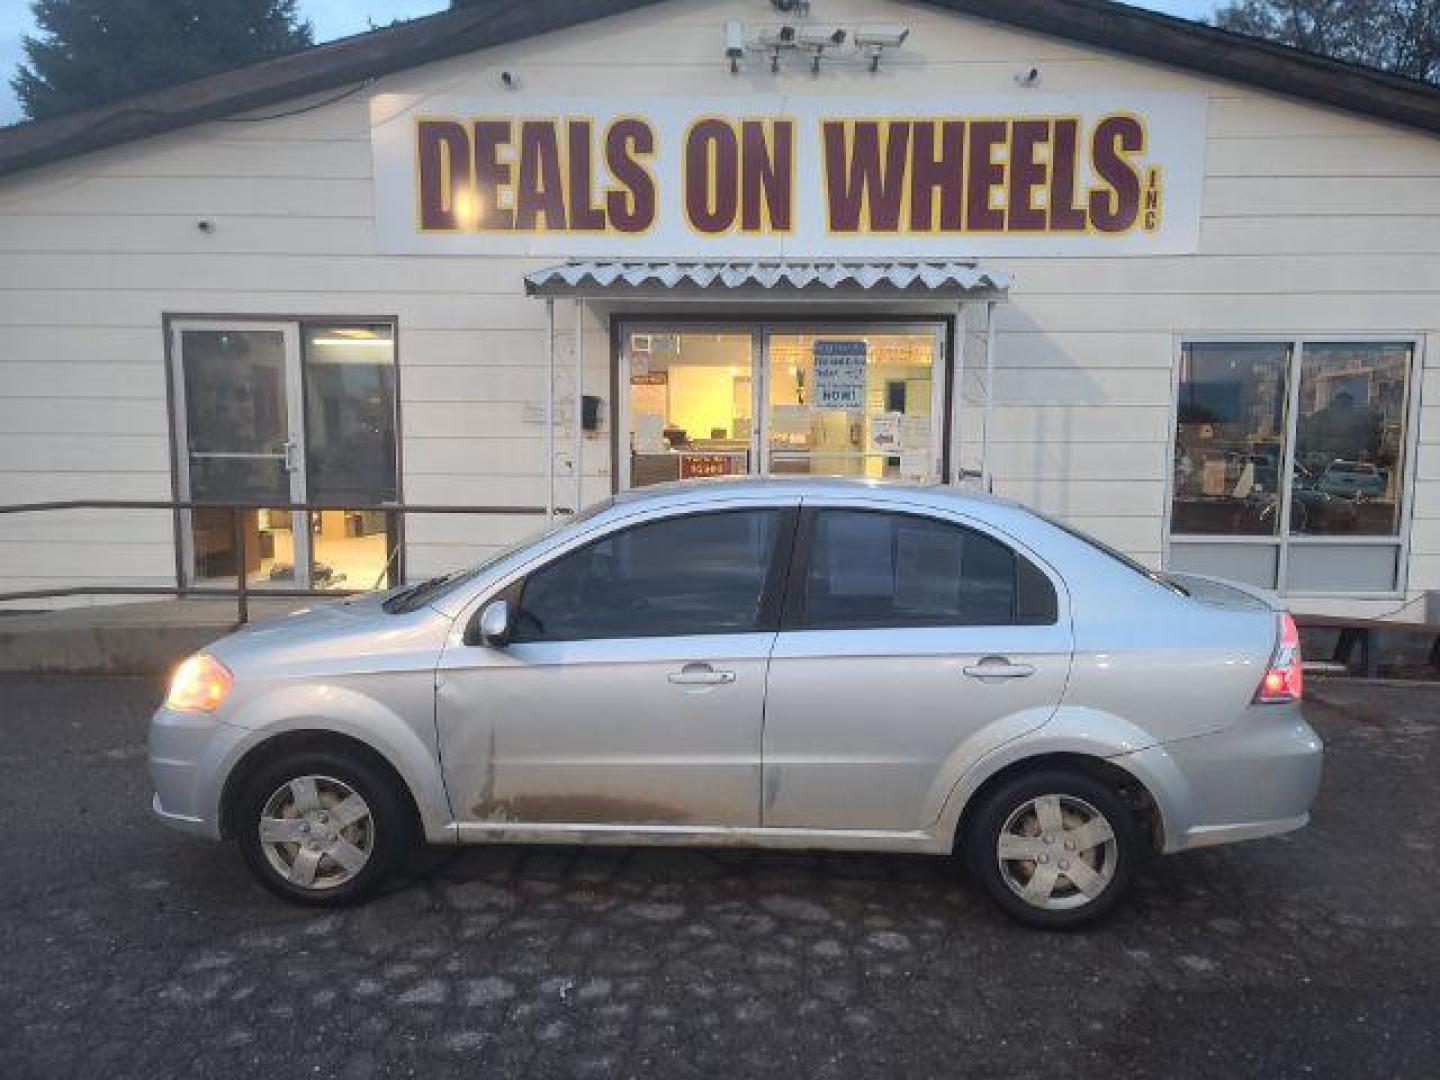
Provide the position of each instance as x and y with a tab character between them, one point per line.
390	829
1073	788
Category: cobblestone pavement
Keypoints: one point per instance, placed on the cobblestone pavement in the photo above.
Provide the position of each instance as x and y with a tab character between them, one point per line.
129	951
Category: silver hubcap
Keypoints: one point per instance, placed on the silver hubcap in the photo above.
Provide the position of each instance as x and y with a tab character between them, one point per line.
317	832
1057	851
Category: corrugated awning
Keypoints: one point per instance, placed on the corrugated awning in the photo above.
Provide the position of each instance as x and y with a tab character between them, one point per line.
858	279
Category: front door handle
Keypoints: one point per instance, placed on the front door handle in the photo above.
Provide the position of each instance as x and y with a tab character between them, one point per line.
701	674
999	667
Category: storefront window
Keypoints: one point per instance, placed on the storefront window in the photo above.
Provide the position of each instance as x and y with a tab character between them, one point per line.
853	404
1350	439
1345	445
861	401
1230	438
691	403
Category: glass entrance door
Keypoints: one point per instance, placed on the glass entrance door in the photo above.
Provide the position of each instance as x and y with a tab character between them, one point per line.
239	440
281	413
831	399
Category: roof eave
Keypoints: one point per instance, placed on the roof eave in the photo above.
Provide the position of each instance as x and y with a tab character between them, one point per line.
1180	43
1111	27
307	72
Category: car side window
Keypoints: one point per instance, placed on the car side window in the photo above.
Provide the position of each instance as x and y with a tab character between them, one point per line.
698	574
872	569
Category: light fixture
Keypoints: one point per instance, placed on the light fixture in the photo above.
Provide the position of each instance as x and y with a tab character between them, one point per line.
345	342
872	41
816	39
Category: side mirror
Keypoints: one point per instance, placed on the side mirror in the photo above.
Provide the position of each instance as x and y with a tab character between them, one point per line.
495	625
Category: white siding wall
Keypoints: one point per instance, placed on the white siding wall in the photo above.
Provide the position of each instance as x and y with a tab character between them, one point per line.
1313	221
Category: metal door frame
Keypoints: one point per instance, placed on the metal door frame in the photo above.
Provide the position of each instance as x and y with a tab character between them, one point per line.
295	445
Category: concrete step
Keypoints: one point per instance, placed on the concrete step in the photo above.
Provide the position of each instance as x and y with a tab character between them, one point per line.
121	639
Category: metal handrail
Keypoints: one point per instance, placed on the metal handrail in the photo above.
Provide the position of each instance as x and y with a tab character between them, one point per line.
241	591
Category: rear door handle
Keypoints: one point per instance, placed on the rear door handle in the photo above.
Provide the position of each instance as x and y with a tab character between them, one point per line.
999	667
701	674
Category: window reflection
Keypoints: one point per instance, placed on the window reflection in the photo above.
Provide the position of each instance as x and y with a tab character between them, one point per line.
1230	438
1349	439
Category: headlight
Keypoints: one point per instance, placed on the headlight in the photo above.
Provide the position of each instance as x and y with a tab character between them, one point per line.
200	684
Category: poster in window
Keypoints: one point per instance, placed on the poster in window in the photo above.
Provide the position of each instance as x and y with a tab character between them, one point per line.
839	374
885	433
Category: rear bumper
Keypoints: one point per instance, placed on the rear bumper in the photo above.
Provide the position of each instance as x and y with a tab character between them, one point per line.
1256	779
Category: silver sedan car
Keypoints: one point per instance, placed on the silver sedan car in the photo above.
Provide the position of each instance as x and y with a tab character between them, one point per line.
817	664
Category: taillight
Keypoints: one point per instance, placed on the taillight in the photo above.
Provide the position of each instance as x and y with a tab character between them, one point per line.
1284	679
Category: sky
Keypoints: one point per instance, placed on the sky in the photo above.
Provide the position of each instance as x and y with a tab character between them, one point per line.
339	18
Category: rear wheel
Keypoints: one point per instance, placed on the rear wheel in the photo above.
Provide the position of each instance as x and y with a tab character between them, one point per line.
322	827
1054	849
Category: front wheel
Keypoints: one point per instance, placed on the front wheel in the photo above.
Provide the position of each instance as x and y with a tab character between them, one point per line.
1054	849
322	827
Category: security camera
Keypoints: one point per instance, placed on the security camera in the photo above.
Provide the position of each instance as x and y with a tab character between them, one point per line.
774	40
734	43
872	41
1028	78
883	37
822	36
816	39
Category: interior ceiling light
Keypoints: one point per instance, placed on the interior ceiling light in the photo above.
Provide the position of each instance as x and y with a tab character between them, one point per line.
370	342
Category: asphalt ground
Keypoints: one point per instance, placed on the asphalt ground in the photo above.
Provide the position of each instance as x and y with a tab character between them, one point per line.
132	951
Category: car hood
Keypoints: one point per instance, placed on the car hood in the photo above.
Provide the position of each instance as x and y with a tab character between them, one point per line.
332	635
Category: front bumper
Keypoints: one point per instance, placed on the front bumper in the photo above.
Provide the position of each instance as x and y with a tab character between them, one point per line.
188	755
1256	779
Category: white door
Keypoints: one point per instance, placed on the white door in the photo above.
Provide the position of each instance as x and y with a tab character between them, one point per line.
239	421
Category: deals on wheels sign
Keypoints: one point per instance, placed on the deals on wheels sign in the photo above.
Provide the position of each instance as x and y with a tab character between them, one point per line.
767	177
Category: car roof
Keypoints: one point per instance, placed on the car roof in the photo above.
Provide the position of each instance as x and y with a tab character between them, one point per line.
782	488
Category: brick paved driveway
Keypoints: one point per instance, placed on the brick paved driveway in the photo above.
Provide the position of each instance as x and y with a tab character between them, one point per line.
129	951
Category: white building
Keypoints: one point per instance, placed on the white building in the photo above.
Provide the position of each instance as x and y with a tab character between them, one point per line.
1176	287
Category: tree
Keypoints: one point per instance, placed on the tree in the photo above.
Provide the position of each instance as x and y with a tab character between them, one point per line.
93	51
1399	36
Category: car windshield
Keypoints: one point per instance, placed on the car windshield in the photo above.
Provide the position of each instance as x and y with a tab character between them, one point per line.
417	596
1119	556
